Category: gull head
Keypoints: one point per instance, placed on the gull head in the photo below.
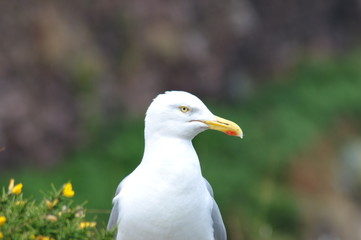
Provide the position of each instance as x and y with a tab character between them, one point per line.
183	115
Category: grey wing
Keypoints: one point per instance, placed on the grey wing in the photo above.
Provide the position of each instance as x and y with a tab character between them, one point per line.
113	219
218	225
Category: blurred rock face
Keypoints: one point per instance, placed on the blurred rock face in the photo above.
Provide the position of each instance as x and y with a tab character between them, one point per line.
350	172
326	181
64	63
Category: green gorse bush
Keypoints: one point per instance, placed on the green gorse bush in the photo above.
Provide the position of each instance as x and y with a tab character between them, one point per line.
53	218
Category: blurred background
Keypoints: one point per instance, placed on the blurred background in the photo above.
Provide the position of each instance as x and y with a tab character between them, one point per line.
77	76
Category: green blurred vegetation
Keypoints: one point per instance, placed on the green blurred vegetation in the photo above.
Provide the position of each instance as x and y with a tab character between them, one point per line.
249	176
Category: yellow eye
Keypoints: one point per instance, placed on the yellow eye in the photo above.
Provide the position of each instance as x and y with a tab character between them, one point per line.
184	109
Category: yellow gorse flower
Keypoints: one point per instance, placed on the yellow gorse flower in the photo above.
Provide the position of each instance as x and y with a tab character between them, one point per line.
19	203
51	204
87	225
2	220
1	235
68	190
15	189
11	184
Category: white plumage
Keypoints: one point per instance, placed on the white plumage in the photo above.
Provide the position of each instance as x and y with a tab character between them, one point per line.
166	196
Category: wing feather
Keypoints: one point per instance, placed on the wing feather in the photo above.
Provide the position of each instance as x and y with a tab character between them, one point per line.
218	225
114	215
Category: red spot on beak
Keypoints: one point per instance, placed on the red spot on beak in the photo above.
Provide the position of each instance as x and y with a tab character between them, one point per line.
232	133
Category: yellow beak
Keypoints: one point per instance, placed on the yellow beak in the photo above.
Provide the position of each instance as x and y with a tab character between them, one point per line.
224	125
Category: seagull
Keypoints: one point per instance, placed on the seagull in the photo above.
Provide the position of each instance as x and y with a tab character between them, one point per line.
166	197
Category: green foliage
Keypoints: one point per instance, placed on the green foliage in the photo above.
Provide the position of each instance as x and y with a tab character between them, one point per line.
53	218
